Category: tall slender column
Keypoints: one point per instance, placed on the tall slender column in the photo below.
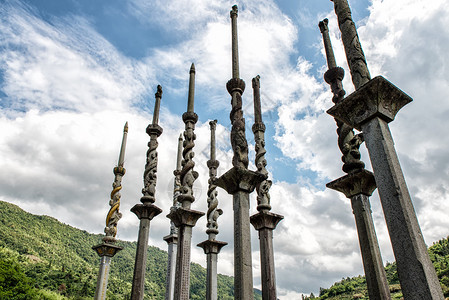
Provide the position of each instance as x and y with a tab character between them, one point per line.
184	217
147	210
211	246
172	238
370	108
108	249
358	185
264	221
239	181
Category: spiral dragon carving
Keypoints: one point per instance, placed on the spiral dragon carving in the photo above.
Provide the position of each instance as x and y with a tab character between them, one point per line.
150	173
348	142
262	189
213	212
187	174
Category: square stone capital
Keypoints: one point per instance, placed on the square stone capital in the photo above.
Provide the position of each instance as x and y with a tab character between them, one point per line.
356	183
265	219
171	239
377	98
146	211
212	246
106	249
239	179
184	217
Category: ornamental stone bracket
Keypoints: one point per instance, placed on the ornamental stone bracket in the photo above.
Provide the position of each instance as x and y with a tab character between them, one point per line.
146	211
359	182
239	179
213	246
184	217
107	249
377	98
265	219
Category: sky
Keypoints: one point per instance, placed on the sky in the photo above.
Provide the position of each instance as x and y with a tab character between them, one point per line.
72	72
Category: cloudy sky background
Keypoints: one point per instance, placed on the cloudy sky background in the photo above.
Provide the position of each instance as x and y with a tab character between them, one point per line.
73	72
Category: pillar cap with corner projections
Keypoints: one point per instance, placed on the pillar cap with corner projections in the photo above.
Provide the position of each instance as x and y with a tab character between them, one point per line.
360	181
377	98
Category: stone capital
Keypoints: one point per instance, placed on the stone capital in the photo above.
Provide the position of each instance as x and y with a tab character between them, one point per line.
334	74
265	219
377	98
258	126
189	116
213	164
154	129
239	179
359	182
213	247
106	249
184	216
171	239
235	84
146	211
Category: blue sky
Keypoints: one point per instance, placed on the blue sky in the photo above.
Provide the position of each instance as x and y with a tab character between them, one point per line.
73	72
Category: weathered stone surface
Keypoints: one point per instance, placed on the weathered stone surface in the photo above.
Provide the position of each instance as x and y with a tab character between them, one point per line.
358	182
265	222
107	249
377	98
239	179
212	246
172	241
376	278
184	217
416	272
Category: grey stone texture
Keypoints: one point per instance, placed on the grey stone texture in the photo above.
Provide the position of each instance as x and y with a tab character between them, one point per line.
358	186
106	251
370	108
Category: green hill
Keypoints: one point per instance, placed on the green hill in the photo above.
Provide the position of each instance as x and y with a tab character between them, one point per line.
355	287
41	258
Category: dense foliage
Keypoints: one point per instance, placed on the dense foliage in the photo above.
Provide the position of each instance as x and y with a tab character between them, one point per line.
41	258
355	287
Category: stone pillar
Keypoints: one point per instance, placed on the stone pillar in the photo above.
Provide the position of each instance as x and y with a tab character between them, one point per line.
370	108
183	217
108	249
147	210
264	221
358	185
211	246
172	238
239	181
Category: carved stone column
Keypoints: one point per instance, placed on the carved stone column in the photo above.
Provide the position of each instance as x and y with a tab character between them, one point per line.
211	246
147	210
108	249
358	185
239	181
370	108
183	217
172	238
264	221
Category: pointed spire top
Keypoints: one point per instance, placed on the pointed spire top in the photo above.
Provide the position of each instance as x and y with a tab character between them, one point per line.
125	129
180	137
192	68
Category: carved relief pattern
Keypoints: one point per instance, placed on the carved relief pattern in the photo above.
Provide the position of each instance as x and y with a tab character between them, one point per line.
114	215
354	53
348	142
238	139
188	175
149	175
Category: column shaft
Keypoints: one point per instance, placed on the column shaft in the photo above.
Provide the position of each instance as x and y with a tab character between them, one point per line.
102	280
267	264
415	270
182	280
138	286
170	279
376	279
243	282
211	280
